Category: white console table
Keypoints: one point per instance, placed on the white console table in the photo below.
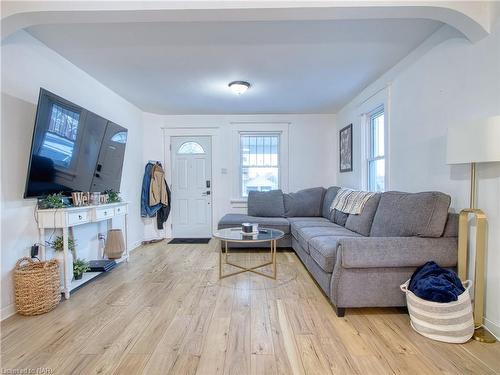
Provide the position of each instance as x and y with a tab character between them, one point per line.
66	218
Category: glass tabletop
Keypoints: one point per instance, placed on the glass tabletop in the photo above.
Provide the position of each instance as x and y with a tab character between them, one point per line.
236	235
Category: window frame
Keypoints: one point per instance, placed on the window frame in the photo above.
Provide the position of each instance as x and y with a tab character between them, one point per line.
370	158
277	134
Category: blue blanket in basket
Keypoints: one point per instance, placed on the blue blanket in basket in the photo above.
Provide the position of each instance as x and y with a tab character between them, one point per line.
433	283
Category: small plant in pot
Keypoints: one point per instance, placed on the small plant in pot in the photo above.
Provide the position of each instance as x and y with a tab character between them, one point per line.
52	201
113	196
58	246
79	267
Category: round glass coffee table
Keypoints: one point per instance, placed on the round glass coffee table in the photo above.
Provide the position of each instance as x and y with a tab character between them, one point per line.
236	235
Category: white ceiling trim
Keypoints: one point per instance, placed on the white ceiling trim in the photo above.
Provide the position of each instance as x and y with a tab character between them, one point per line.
470	18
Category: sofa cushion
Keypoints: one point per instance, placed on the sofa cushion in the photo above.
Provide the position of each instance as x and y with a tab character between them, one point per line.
323	250
339	217
306	234
362	223
308	219
307	202
411	214
235	220
266	203
307	222
330	195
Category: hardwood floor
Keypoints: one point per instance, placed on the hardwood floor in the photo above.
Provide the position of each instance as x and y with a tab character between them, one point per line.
166	312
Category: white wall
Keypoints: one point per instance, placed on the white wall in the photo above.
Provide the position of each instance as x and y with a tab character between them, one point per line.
311	143
28	65
441	85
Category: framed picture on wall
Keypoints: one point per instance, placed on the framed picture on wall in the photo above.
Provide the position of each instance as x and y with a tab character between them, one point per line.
345	149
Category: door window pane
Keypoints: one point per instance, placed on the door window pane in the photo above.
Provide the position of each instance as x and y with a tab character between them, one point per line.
191	148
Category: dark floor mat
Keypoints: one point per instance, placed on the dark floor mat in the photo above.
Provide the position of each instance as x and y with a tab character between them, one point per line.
189	240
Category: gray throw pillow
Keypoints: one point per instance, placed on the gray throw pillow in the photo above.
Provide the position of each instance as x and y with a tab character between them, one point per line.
330	195
411	214
339	217
305	202
362	223
266	203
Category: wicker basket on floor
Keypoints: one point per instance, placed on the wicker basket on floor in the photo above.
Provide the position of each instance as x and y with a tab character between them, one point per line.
37	286
447	322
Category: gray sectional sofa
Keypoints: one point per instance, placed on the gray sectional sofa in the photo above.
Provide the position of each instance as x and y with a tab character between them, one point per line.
358	260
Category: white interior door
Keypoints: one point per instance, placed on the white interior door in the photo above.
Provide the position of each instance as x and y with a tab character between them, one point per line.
191	187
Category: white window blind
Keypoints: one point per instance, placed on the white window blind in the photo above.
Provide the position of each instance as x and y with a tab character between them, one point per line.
259	162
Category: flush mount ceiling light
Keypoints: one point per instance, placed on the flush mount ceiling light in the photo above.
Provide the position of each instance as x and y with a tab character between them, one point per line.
239	87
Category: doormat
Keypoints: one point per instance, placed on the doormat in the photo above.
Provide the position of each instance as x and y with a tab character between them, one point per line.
189	240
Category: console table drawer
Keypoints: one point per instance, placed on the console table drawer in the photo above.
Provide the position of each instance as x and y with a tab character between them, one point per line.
104	213
79	217
121	210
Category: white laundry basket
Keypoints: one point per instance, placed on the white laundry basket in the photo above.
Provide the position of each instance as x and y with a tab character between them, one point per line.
448	322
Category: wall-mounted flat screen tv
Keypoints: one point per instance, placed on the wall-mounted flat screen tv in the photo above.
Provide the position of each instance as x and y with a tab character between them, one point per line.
73	149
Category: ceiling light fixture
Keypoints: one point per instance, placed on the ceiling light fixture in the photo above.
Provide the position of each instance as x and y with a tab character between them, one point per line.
239	87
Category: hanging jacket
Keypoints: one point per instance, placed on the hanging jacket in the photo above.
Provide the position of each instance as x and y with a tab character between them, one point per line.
146	209
164	211
158	187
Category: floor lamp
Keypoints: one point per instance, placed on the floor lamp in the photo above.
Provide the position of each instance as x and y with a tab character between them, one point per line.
478	142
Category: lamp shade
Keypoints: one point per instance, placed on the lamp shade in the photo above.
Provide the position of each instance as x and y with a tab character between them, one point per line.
475	142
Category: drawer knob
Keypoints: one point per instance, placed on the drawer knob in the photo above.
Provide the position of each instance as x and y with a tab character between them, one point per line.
80	217
105	213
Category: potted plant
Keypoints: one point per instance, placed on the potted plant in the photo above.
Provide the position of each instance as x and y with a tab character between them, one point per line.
79	267
58	246
113	196
52	201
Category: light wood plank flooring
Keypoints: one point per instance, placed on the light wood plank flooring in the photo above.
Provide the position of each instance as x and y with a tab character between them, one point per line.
166	312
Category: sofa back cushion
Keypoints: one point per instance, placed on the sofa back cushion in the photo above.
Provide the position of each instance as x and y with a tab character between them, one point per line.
362	223
330	195
307	202
339	217
411	214
266	203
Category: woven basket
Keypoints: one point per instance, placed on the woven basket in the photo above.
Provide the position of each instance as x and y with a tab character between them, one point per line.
37	286
447	322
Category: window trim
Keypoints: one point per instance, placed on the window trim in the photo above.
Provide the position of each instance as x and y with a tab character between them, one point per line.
240	159
381	109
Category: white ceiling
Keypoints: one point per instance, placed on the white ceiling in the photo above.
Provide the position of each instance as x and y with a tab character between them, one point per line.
184	67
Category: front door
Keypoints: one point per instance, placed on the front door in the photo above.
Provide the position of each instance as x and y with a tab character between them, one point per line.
191	187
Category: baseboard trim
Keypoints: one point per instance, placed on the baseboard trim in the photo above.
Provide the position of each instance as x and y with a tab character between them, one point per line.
134	246
493	328
7	311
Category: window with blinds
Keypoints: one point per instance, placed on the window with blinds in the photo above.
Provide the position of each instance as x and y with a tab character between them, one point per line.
376	148
259	162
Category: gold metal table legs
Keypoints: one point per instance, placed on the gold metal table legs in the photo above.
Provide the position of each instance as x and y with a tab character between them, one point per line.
223	259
